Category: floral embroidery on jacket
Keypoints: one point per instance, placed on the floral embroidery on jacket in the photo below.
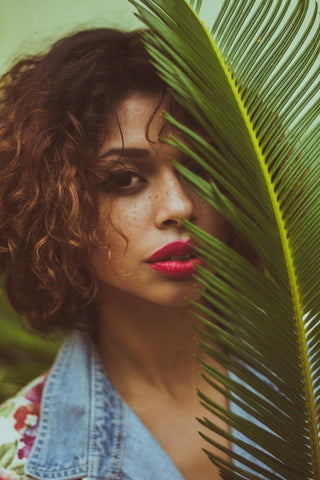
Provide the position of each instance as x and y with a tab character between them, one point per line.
19	422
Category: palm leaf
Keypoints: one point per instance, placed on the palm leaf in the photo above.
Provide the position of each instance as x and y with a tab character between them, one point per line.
252	84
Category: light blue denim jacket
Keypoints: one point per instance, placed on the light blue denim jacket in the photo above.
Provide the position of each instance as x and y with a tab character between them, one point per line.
87	430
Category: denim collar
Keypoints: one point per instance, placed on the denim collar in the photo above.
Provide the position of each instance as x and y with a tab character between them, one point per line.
83	429
82	405
87	430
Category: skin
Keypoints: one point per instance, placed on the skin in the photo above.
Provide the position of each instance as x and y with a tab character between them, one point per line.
141	313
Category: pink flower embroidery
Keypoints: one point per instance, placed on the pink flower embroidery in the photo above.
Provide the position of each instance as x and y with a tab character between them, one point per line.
22	413
27	420
27	441
6	475
35	394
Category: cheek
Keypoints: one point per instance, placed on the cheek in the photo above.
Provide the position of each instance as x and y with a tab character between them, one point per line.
212	222
127	221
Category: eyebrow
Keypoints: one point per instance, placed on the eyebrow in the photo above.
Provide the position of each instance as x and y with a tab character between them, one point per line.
126	152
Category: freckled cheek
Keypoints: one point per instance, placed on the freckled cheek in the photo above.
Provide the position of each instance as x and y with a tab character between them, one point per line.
131	220
132	214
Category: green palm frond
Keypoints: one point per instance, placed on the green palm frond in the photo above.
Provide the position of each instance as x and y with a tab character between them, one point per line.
253	83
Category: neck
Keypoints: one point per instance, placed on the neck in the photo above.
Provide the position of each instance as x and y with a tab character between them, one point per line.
140	342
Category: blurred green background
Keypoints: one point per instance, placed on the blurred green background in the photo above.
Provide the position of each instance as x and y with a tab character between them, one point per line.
30	26
23	354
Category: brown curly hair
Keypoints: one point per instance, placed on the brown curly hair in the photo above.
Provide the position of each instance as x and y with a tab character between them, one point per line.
54	114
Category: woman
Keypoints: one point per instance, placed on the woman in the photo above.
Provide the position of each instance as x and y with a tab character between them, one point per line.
93	242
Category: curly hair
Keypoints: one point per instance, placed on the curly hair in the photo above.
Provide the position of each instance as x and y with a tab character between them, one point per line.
54	115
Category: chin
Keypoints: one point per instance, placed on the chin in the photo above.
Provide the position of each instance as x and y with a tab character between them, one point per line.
178	298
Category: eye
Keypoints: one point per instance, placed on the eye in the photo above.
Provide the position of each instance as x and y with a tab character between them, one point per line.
125	179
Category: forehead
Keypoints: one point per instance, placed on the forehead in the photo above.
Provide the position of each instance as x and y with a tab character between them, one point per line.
138	118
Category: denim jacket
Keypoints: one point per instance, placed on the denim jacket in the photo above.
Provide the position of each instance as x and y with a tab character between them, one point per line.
86	430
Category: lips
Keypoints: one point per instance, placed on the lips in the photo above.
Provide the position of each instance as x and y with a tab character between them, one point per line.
175	259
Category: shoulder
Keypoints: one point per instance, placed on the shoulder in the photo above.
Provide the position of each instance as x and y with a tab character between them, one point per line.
19	421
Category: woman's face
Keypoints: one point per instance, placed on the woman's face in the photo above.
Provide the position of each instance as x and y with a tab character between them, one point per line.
148	253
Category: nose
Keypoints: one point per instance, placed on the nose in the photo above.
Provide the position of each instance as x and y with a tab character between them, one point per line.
174	202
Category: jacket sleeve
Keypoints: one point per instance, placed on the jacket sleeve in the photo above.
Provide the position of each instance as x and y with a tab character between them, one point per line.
19	421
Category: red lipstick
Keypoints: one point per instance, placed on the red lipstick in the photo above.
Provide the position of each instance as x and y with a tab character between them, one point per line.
175	259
